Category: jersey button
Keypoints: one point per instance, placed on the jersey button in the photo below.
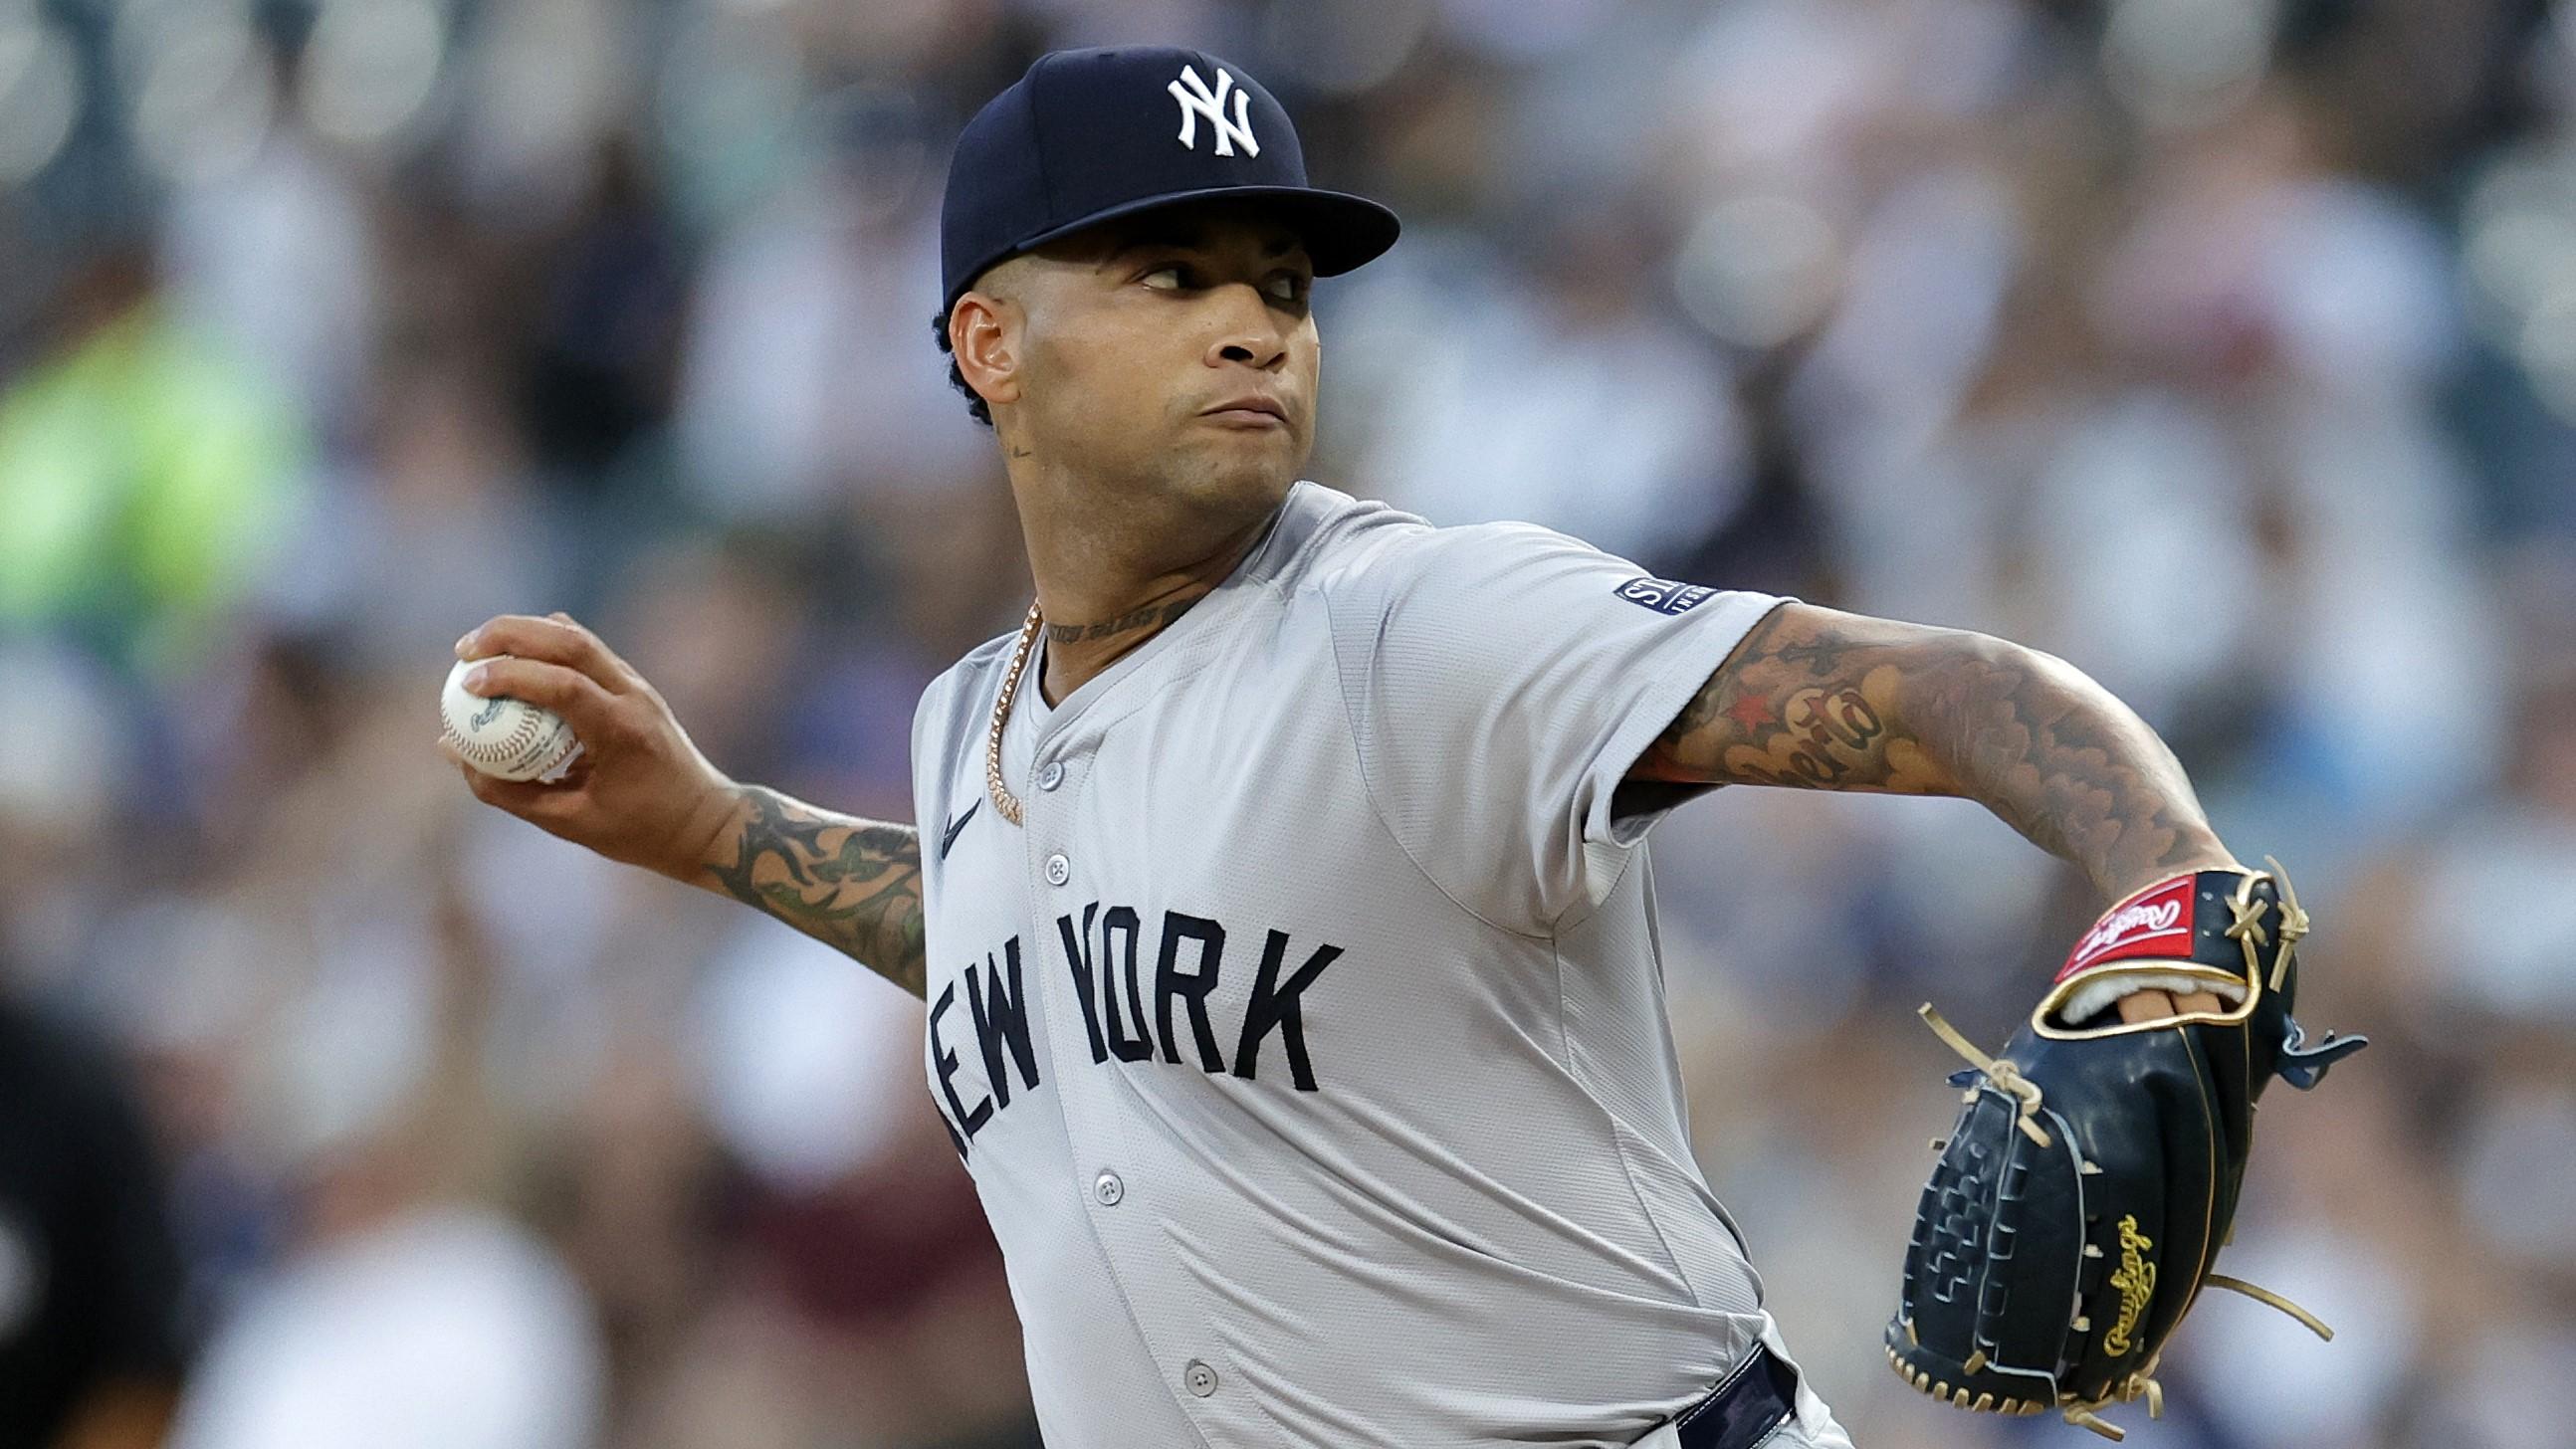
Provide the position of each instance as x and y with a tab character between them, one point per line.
1108	1189
1198	1378
1059	870
1052	775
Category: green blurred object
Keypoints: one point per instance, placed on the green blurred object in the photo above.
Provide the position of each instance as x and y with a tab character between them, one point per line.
144	473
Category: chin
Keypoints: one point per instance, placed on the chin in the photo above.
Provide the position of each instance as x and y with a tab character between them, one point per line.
1241	476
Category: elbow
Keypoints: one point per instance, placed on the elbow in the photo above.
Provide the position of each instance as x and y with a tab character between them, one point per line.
1976	707
2003	659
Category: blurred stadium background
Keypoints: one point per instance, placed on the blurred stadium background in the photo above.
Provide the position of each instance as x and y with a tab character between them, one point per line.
2225	347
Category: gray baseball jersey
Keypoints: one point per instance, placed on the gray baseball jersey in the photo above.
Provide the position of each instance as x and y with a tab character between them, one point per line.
1307	1042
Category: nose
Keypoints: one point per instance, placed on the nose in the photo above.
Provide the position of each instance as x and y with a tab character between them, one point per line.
1248	333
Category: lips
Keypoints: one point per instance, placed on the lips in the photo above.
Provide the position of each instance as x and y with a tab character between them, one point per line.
1251	409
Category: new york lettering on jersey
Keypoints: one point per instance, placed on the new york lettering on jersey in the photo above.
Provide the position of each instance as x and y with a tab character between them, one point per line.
1140	1003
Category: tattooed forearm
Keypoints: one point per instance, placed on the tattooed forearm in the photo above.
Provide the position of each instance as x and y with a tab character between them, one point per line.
854	885
1833	701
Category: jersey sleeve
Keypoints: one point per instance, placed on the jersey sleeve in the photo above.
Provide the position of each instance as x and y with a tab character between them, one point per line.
1501	680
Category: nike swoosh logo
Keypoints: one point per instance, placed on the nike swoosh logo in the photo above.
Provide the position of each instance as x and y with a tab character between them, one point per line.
956	825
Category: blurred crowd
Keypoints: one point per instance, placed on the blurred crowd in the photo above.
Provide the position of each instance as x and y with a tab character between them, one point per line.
2225	347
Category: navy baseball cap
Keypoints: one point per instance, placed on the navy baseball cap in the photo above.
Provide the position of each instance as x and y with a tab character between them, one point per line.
1088	135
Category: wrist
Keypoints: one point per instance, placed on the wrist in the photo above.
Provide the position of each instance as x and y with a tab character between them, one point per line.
2175	863
706	831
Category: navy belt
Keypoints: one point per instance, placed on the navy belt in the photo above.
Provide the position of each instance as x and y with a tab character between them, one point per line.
1758	1396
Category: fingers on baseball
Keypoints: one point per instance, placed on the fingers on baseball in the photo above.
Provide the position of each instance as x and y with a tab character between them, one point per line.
588	708
554	639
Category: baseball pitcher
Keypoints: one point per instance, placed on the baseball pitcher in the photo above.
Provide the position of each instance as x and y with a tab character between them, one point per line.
1279	891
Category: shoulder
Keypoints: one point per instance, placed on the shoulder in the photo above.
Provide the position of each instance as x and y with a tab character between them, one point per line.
982	663
1334	537
1367	553
955	701
1412	567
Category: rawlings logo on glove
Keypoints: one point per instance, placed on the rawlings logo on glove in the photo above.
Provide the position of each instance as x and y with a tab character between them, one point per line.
2146	924
2136	1281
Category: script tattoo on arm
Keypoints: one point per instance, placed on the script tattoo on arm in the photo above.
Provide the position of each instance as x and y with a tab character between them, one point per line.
854	885
1823	700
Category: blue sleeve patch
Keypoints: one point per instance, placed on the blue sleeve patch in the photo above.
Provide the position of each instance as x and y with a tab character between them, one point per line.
1664	596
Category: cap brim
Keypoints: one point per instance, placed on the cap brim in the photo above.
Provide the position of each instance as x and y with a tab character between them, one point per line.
1341	232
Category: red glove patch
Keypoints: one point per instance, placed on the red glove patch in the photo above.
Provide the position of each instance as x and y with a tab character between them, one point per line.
2155	922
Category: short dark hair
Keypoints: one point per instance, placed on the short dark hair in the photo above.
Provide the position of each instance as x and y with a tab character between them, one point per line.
976	408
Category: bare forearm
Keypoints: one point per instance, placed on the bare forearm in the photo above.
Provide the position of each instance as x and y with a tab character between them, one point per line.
854	885
1825	700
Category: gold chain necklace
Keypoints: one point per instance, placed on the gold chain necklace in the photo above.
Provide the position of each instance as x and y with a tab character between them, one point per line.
1003	799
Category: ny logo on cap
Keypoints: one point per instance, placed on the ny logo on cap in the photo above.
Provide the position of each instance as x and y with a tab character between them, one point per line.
1197	100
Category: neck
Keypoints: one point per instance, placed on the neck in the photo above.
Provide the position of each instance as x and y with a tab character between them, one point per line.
1076	652
1111	575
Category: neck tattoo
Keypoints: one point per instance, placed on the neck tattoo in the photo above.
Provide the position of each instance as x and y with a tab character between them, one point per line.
1152	616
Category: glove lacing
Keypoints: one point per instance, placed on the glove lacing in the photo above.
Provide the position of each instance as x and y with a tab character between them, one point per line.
2002	1075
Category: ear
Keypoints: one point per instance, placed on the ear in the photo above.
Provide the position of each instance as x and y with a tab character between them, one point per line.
984	332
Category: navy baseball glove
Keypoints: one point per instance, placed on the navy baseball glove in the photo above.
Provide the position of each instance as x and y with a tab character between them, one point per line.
2094	1170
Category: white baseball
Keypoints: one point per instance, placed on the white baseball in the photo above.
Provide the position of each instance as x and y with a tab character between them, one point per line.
508	739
